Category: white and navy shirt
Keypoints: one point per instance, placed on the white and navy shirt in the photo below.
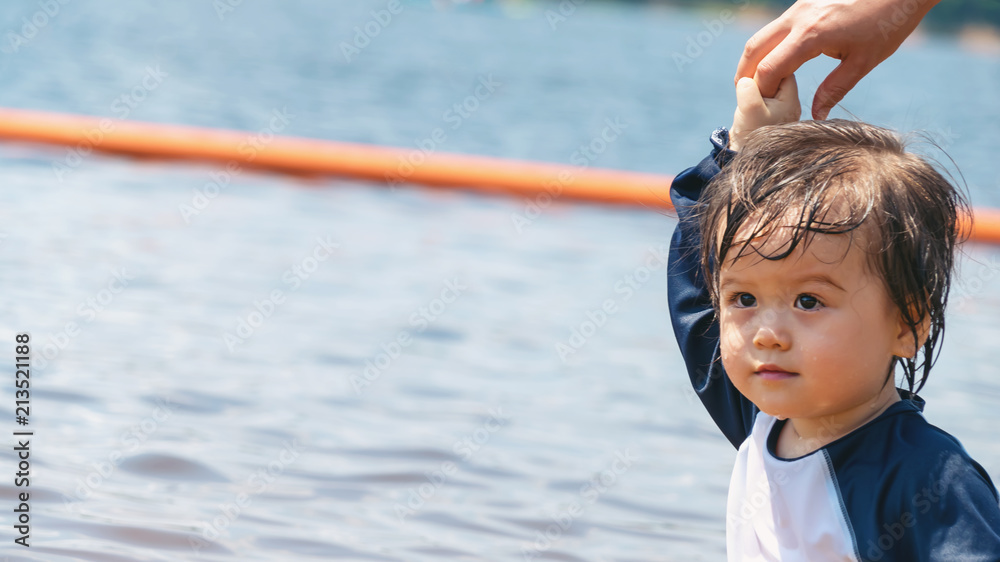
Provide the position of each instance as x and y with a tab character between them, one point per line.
895	489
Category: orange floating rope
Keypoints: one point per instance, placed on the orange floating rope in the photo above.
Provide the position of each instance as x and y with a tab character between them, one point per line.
382	164
985	226
322	157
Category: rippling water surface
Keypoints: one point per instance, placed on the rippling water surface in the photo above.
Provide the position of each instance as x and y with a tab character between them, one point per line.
324	369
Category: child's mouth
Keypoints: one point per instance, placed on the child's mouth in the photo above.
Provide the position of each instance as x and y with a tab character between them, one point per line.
773	373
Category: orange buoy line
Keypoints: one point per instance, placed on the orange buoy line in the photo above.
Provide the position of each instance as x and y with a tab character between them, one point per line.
393	165
985	226
322	157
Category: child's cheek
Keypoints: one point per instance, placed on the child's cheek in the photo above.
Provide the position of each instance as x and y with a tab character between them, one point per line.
730	346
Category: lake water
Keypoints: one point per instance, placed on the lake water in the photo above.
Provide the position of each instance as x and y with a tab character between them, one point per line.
314	369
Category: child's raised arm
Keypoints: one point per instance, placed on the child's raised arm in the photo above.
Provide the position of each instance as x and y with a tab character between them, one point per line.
754	111
691	311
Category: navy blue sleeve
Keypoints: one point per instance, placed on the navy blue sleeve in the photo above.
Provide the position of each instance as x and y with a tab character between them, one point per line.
691	312
948	513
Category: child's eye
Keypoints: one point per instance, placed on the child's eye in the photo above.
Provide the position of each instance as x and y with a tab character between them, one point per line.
744	300
807	302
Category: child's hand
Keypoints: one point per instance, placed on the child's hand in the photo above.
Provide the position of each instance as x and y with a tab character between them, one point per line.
754	111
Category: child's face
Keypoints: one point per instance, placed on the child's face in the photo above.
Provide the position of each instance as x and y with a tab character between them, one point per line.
812	335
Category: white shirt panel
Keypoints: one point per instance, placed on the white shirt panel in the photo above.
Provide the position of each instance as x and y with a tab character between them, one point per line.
784	510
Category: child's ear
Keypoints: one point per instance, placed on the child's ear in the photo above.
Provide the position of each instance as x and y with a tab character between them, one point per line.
904	346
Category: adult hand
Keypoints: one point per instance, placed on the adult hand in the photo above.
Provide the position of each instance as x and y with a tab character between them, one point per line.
859	33
754	111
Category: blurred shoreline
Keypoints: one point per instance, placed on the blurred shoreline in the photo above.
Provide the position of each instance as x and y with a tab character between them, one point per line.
975	35
976	25
954	16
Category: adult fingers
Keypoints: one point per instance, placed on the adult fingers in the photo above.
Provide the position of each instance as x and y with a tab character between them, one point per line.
833	89
782	62
758	47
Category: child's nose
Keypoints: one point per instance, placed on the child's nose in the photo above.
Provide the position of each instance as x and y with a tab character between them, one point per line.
770	333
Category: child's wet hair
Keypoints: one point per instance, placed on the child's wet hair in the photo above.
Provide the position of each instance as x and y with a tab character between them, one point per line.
849	178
